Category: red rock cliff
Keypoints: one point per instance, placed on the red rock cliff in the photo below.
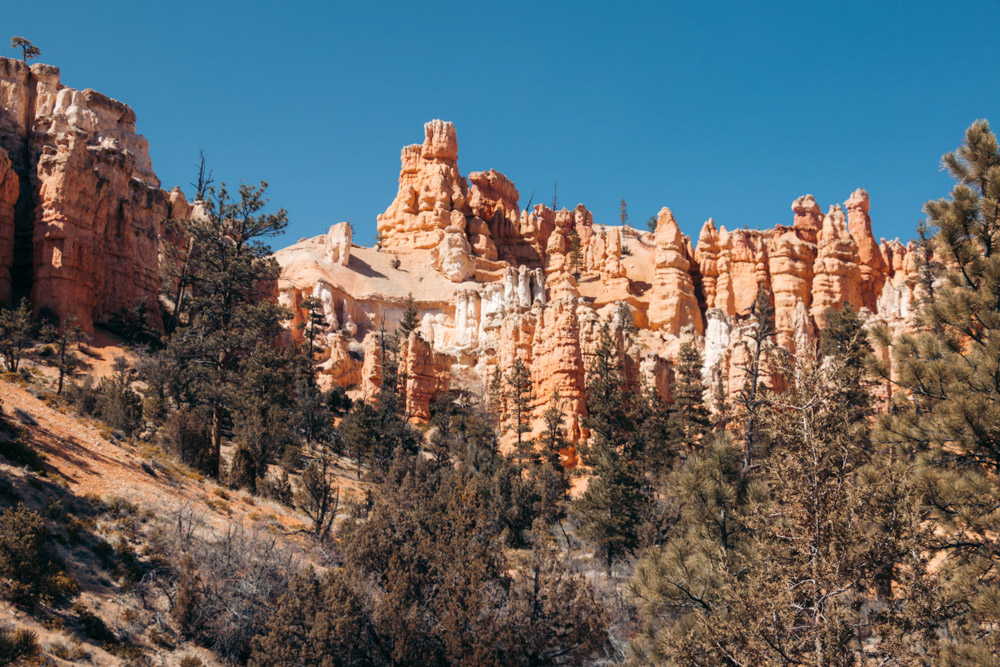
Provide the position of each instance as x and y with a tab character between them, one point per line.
80	207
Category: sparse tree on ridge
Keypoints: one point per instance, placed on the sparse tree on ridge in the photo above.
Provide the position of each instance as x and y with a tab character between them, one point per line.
28	50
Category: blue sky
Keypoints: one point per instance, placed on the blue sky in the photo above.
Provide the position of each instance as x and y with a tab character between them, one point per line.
728	110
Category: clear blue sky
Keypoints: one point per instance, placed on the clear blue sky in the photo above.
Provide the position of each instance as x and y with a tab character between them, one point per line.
729	110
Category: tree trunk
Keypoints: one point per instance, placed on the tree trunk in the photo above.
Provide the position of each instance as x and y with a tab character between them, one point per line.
216	464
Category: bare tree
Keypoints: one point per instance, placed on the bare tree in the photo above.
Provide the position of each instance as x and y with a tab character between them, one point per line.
318	497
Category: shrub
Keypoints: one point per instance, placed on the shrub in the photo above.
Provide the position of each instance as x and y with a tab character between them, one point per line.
243	469
113	401
15	645
93	627
18	453
28	568
186	435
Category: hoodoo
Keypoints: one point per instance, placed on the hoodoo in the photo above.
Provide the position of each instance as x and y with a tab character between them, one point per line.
494	283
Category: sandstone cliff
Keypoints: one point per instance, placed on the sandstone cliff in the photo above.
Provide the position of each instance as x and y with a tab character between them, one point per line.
80	207
494	283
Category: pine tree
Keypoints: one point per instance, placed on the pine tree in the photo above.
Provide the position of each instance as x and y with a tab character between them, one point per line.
313	326
780	566
229	316
946	408
691	417
411	318
611	508
762	330
28	50
64	337
844	338
548	474
574	251
521	397
15	334
496	398
623	212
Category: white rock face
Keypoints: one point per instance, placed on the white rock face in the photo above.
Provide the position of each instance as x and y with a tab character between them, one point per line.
524	287
538	287
453	256
338	243
717	334
325	295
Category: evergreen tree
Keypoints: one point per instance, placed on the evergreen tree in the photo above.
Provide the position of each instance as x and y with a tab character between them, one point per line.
844	338
574	251
496	398
314	325
548	475
379	431
780	566
317	622
411	318
15	334
612	507
623	212
946	409
692	420
28	50
608	408
228	314
64	337
762	330
521	397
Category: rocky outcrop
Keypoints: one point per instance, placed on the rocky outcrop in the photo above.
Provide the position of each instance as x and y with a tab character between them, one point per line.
9	190
338	243
430	189
494	284
871	263
674	305
808	218
89	210
791	267
837	276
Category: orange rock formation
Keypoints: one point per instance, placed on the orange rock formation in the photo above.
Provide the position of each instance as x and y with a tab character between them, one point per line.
494	283
80	207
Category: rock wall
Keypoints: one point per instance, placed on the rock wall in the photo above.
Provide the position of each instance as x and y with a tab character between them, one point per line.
82	236
494	283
